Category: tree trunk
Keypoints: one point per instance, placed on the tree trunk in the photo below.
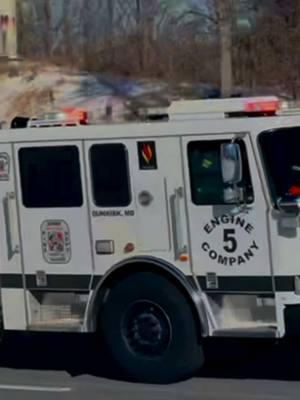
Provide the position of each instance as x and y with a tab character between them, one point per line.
48	28
225	9
141	34
110	31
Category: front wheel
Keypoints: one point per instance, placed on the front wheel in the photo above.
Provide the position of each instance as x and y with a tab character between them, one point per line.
149	328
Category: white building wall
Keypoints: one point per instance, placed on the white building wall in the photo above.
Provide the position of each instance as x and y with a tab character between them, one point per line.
8	28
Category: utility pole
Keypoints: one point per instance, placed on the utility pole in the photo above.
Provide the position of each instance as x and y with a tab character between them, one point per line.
140	24
110	29
225	11
110	24
145	27
8	29
48	34
138	12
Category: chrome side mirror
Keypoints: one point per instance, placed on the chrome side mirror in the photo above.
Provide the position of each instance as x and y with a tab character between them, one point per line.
231	162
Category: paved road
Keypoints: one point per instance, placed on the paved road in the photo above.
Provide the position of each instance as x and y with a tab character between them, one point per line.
58	368
33	385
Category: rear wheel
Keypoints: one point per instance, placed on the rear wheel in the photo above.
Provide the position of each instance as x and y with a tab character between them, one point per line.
148	325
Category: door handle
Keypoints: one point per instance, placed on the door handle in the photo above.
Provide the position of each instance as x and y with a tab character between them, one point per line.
11	224
179	246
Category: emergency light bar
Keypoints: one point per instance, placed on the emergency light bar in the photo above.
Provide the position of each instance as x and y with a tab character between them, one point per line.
177	110
66	117
247	106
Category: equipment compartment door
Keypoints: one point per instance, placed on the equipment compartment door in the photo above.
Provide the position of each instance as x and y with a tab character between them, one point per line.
137	201
53	212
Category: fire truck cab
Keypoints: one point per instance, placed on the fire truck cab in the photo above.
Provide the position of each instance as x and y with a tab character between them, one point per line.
156	234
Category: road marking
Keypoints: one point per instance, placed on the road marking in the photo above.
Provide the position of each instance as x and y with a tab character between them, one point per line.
35	388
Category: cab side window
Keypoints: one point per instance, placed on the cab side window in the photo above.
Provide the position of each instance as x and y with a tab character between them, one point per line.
207	187
50	177
110	175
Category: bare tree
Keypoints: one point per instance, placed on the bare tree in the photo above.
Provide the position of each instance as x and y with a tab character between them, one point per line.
156	39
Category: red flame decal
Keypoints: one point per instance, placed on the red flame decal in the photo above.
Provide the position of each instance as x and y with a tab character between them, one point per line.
147	153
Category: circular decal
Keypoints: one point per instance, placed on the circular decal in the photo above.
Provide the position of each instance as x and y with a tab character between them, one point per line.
229	240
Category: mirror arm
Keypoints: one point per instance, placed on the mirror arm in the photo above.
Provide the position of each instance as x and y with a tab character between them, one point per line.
288	207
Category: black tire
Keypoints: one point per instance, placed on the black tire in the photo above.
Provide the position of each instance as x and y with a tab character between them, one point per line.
149	328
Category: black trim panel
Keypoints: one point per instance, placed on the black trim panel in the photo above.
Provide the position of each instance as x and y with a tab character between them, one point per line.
236	284
285	283
56	282
14	281
239	284
260	284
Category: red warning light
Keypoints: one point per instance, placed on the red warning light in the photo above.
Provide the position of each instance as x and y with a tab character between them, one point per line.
261	106
294	191
79	116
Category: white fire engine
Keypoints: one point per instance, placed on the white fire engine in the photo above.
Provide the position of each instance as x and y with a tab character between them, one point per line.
156	234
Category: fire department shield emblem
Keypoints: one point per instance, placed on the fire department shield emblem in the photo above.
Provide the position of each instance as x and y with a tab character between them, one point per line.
56	243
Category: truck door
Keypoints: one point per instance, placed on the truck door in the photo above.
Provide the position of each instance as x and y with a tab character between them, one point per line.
279	149
11	271
230	250
53	213
136	201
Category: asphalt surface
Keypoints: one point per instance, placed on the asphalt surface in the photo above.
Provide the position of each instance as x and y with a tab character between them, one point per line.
47	367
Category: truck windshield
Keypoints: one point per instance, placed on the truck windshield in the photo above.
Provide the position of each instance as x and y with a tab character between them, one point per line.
280	150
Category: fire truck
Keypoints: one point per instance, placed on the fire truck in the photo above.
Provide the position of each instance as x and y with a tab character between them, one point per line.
155	234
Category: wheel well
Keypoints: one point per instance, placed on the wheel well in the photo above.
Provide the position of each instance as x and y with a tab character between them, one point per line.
174	276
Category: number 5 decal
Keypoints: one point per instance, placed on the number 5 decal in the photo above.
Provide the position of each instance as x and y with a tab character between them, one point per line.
229	237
